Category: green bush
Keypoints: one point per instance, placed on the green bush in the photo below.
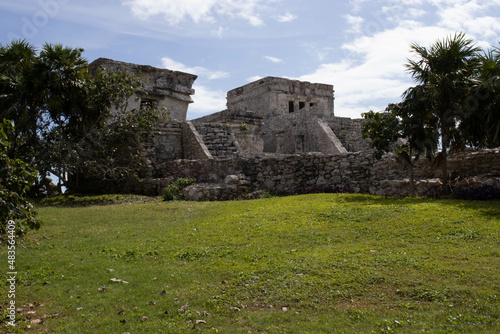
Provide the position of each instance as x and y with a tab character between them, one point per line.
173	192
16	178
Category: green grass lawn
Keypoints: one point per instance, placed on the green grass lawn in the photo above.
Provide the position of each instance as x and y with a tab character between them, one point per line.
323	263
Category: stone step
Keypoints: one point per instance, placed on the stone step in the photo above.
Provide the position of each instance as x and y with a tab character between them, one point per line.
218	140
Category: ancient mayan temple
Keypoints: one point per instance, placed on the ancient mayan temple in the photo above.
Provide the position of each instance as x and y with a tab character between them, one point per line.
268	116
276	134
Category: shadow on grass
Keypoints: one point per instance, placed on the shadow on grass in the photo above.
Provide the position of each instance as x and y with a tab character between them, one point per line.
489	208
83	201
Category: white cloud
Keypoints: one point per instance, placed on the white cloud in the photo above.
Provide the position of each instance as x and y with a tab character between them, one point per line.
410	2
176	11
355	23
356	4
371	72
485	27
288	17
274	59
470	16
206	101
197	70
416	13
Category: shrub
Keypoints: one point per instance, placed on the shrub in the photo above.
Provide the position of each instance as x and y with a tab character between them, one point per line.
16	178
173	192
479	193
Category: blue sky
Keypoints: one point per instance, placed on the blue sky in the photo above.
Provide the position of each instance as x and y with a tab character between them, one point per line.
359	46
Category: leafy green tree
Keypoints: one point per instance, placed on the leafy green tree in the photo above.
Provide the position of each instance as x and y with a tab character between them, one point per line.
62	113
21	96
41	93
482	127
113	150
63	73
446	72
455	104
404	128
89	120
16	178
383	129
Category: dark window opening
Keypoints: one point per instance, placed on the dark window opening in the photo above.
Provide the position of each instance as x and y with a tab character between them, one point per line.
302	105
312	104
147	103
290	107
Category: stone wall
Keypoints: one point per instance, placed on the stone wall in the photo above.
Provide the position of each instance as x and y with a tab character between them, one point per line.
246	126
292	173
232	116
219	139
355	172
249	138
192	143
166	88
165	145
300	132
474	163
273	96
349	132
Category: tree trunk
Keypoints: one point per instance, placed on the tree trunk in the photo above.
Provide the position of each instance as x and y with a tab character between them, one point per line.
444	155
412	175
59	182
412	181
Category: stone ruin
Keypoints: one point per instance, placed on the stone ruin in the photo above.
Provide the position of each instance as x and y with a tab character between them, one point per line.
276	134
169	89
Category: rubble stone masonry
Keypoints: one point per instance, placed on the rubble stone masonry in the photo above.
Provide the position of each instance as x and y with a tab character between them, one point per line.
355	172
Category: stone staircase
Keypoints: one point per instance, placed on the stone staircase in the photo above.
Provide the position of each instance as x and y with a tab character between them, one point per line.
219	139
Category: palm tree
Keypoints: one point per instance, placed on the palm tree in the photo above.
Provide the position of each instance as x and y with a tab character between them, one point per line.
446	72
483	125
64	75
44	95
20	94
